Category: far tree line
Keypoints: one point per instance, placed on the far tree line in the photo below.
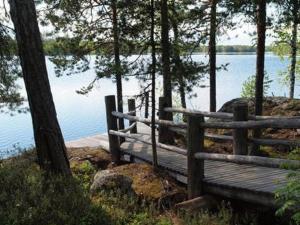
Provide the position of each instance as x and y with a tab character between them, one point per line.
114	30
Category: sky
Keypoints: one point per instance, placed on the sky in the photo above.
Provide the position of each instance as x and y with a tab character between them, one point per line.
239	36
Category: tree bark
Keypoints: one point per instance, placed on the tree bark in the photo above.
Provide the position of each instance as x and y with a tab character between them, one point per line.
178	67
294	49
48	137
212	55
260	66
167	85
260	59
153	100
165	45
118	68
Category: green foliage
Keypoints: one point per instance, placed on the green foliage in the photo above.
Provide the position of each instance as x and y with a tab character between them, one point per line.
289	196
28	197
248	89
223	217
10	97
284	75
130	210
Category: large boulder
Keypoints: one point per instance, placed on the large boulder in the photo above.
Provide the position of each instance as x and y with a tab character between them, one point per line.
272	106
109	180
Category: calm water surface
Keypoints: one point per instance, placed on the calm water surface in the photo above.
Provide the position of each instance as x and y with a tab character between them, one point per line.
82	116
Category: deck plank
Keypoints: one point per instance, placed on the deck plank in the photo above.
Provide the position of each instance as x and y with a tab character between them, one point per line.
254	180
243	182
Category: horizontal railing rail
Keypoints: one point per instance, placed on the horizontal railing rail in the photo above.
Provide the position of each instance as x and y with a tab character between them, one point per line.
223	115
130	128
147	141
253	160
166	123
259	141
274	123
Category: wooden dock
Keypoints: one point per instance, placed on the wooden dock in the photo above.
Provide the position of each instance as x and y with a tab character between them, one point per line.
249	183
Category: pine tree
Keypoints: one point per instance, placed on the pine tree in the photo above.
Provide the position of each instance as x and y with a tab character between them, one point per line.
50	146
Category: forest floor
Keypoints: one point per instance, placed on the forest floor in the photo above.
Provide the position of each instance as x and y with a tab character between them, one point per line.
29	196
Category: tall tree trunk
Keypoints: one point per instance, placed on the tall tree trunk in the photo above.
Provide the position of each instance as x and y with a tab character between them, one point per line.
212	55
153	100
48	137
294	49
118	68
260	59
167	85
182	92
260	65
178	67
165	45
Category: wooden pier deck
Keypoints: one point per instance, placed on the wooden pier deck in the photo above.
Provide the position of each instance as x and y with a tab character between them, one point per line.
249	183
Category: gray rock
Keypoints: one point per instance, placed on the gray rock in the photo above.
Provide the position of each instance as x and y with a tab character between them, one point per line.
108	180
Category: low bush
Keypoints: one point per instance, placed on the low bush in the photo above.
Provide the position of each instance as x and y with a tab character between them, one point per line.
28	196
289	196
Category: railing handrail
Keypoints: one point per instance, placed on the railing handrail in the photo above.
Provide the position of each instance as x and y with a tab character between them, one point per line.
167	123
139	138
244	159
270	123
260	141
223	115
131	127
280	123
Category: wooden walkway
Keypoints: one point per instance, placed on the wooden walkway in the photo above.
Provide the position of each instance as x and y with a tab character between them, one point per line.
249	183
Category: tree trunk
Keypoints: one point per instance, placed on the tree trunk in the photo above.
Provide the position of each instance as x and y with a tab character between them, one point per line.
166	52
153	71
118	68
212	55
260	65
182	92
48	137
178	67
294	50
167	86
260	60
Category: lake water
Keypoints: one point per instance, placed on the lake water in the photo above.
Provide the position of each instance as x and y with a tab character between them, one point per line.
82	116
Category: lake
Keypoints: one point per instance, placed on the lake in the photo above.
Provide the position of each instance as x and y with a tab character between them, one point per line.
82	116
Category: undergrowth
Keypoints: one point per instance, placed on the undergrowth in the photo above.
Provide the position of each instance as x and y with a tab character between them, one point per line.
29	197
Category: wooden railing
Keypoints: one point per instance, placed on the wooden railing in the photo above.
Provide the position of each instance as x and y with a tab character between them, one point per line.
194	129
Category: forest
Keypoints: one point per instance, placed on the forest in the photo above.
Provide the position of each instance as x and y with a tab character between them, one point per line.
240	162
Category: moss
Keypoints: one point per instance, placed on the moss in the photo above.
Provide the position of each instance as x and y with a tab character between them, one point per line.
208	143
147	182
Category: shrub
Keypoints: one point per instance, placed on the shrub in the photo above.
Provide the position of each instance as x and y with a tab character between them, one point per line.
289	196
248	89
29	197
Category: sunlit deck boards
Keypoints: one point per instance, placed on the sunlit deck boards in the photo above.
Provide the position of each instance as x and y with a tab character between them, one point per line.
245	182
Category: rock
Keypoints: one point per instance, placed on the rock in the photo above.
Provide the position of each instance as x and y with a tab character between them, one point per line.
272	106
106	179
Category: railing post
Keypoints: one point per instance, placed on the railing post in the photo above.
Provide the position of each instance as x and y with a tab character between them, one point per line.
112	124
240	136
165	136
132	108
146	104
195	143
